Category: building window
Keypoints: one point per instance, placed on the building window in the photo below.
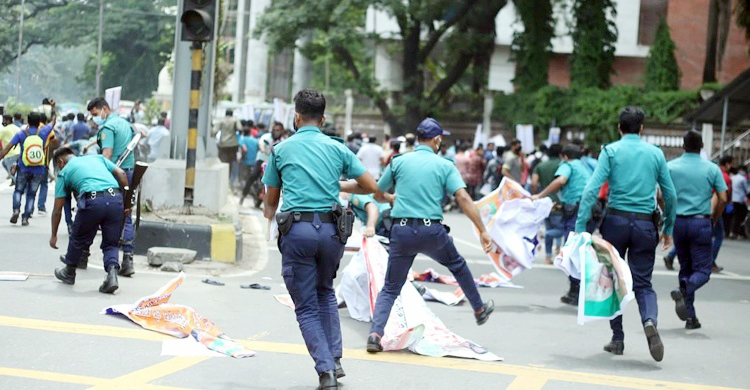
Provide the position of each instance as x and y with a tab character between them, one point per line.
652	12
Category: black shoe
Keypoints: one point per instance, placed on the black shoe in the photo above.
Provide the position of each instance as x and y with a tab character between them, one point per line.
328	380
14	217
669	262
615	347
66	274
420	288
654	341
484	315
24	222
571	297
339	370
373	343
679	302
692	323
127	265
110	282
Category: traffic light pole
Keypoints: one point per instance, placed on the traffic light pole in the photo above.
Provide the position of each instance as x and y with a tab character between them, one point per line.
192	140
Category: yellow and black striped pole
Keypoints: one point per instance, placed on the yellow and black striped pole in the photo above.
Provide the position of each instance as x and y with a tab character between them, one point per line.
192	139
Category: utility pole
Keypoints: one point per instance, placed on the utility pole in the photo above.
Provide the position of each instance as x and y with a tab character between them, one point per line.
99	50
20	51
192	139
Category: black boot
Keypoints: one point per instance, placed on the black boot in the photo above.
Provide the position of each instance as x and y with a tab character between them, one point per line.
615	347
571	298
66	274
328	380
84	262
669	262
110	282
127	265
339	370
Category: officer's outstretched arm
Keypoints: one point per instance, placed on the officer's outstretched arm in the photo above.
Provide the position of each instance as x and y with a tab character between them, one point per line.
271	201
363	185
471	211
56	216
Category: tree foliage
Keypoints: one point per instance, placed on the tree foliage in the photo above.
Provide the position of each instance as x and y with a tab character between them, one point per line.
450	36
742	13
532	47
662	72
594	35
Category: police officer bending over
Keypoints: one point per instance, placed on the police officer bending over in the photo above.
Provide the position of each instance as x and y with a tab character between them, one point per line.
373	214
312	226
694	179
421	178
99	185
633	168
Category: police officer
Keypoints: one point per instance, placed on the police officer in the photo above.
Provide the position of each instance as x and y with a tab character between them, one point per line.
694	179
307	167
373	214
421	178
99	185
570	179
113	138
633	168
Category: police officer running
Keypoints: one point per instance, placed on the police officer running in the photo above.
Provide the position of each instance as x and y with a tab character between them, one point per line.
421	178
571	178
694	179
113	138
633	168
307	167
99	185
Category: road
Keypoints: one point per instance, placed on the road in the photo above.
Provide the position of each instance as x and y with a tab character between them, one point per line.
54	337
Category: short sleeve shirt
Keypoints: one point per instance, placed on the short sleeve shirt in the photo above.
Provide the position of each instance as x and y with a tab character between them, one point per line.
359	202
307	167
92	173
115	133
694	180
6	134
546	171
421	179
19	139
577	175
251	146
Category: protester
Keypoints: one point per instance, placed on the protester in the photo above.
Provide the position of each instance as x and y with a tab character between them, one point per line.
48	126
542	175
410	142
7	131
79	130
371	155
725	164
156	135
740	193
249	150
227	130
266	143
512	162
137	114
493	173
694	180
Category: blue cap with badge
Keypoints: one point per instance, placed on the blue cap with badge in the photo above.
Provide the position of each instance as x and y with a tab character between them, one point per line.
430	128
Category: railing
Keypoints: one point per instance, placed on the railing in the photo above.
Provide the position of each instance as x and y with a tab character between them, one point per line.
739	151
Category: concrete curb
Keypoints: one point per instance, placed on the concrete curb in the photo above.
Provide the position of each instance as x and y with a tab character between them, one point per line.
217	242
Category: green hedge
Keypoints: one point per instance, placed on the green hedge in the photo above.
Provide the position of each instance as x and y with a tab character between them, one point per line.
592	110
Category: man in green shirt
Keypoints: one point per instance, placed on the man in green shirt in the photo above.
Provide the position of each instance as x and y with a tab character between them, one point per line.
98	184
541	177
114	136
695	181
633	168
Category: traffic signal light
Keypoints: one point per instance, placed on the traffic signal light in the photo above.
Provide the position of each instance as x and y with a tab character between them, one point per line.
198	20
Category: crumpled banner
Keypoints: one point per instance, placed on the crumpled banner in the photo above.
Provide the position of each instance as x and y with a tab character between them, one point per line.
154	312
412	325
491	279
606	281
513	220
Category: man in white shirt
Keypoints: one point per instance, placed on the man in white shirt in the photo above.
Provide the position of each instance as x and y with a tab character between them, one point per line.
371	155
740	194
154	139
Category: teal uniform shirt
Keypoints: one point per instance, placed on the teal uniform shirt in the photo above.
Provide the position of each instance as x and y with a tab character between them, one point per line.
695	179
633	168
578	175
307	168
358	206
90	173
116	133
421	179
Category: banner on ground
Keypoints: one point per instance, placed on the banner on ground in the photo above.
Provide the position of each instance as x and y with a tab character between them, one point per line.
606	281
154	312
513	221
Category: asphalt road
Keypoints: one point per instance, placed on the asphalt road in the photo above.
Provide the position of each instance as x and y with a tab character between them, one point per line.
54	337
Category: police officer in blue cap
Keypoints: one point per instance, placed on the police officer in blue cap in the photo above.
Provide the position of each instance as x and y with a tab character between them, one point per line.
420	179
312	226
633	168
695	180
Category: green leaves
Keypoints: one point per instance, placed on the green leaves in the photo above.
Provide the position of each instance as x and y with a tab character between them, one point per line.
662	72
594	36
531	47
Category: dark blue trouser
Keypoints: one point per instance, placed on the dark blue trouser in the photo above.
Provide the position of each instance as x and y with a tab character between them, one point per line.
692	238
43	190
105	212
310	256
26	183
553	230
128	232
405	243
68	212
718	238
637	239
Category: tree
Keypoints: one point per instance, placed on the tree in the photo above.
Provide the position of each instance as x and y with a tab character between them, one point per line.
532	47
662	72
594	35
742	12
464	29
34	33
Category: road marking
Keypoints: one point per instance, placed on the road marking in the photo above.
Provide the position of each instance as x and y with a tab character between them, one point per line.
527	382
151	373
360	354
99	383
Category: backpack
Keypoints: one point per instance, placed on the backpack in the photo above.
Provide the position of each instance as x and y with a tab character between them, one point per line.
33	150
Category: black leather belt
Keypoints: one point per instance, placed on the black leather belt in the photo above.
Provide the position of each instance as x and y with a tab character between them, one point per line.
325	217
423	221
645	217
697	216
110	192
